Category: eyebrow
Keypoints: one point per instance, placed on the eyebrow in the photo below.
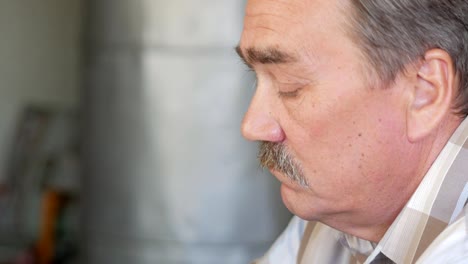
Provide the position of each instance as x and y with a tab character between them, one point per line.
253	56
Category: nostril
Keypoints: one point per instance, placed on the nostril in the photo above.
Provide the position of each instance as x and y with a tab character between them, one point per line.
277	134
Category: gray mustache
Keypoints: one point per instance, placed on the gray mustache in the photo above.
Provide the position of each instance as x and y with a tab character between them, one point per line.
275	156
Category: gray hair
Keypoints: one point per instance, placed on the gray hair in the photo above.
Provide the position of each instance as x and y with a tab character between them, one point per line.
396	33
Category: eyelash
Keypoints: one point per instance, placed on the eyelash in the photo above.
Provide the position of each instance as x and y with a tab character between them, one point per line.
285	95
290	94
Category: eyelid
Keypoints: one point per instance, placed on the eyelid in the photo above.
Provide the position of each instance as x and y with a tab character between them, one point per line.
289	94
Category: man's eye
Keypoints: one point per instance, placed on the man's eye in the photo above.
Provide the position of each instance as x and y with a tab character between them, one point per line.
289	94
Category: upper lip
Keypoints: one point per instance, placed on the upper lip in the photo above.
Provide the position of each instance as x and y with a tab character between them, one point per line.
280	176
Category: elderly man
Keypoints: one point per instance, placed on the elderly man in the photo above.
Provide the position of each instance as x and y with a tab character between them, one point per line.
360	113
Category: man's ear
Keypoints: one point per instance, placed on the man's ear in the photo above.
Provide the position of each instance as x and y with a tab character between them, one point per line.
432	94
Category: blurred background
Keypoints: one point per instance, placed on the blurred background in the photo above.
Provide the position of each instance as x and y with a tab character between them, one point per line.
120	139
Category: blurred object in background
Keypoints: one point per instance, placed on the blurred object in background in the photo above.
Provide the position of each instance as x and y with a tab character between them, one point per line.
168	178
40	202
40	80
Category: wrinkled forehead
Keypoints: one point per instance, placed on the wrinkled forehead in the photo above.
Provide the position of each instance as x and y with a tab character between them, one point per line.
294	8
276	6
267	21
290	16
272	14
290	23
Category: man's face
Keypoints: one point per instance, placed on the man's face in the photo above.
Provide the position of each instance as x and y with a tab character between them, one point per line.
345	138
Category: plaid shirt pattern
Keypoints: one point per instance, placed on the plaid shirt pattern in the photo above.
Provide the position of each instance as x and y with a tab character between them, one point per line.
438	202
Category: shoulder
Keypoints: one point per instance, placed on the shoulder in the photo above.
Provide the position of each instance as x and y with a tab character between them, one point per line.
451	246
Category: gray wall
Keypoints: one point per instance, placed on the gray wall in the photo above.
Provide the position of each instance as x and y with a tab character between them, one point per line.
169	178
39	59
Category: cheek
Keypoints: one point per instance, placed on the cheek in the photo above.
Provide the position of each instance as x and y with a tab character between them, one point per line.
370	159
345	146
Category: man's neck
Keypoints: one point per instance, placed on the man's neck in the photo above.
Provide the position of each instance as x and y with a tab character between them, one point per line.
372	226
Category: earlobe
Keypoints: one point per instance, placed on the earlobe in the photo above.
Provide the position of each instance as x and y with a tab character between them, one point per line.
431	96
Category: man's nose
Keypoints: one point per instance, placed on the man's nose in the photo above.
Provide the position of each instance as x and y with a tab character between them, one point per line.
259	124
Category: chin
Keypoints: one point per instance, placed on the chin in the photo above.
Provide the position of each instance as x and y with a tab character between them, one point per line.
290	197
299	202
